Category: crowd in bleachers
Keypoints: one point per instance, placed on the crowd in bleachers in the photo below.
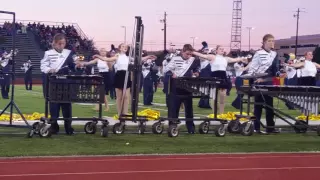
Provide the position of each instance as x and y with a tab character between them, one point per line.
44	34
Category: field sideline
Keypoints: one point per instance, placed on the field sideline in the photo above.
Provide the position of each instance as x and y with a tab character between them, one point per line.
82	144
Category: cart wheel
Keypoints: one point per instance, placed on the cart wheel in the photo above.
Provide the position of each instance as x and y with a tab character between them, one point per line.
30	133
300	129
118	129
234	126
318	130
142	128
220	131
90	128
104	131
204	128
36	127
246	129
157	128
45	131
43	119
173	131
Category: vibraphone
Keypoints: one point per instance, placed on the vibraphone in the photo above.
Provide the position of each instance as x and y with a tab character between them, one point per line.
73	89
197	87
304	98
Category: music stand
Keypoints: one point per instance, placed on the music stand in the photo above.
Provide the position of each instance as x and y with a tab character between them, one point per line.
12	104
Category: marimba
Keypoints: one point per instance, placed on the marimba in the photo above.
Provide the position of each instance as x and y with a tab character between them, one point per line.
305	98
196	87
73	89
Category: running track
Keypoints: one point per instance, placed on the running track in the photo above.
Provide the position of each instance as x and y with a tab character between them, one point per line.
176	167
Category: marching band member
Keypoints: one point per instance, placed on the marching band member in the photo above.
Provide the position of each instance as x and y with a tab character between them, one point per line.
166	74
183	65
122	64
147	81
59	61
308	70
264	61
291	71
6	67
240	68
205	71
103	68
219	65
112	73
27	67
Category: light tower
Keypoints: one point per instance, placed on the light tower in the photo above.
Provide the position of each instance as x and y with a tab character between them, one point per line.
235	43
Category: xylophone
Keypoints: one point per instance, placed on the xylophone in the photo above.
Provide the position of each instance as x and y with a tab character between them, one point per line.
196	87
73	89
305	98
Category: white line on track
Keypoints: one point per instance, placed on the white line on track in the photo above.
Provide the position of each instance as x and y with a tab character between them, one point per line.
264	154
159	171
150	158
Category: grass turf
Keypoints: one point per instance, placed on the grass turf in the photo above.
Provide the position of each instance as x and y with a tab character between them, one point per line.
81	144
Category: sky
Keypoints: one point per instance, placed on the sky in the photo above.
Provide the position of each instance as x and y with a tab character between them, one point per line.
208	20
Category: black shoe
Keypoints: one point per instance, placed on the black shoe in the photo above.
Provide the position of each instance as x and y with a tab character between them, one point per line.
274	131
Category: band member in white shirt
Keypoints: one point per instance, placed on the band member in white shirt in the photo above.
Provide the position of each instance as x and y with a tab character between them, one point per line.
59	61
219	65
239	68
5	61
205	71
27	67
182	65
308	70
122	62
265	61
103	68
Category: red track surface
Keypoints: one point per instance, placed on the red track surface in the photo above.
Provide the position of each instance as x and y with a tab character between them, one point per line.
177	167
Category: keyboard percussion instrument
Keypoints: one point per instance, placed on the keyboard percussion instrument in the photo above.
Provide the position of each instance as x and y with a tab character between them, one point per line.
195	87
305	98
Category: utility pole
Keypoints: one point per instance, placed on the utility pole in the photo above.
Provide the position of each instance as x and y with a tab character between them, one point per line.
164	21
249	29
193	39
297	15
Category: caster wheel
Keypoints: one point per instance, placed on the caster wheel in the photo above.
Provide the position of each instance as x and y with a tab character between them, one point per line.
234	127
30	133
142	128
104	131
90	128
36	127
220	131
303	127
44	119
247	129
157	128
173	131
45	131
118	128
204	128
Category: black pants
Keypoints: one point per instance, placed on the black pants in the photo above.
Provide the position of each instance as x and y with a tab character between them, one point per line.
147	90
5	86
44	81
174	107
269	112
66	112
28	81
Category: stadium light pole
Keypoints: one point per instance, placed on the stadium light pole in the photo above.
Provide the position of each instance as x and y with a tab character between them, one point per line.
125	34
193	39
250	29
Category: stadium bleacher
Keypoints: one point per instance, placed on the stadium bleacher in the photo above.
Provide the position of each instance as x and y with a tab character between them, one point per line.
32	39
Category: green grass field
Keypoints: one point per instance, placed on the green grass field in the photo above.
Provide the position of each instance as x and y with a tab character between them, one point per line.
81	144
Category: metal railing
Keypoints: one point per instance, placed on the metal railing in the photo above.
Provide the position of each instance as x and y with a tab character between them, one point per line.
49	23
